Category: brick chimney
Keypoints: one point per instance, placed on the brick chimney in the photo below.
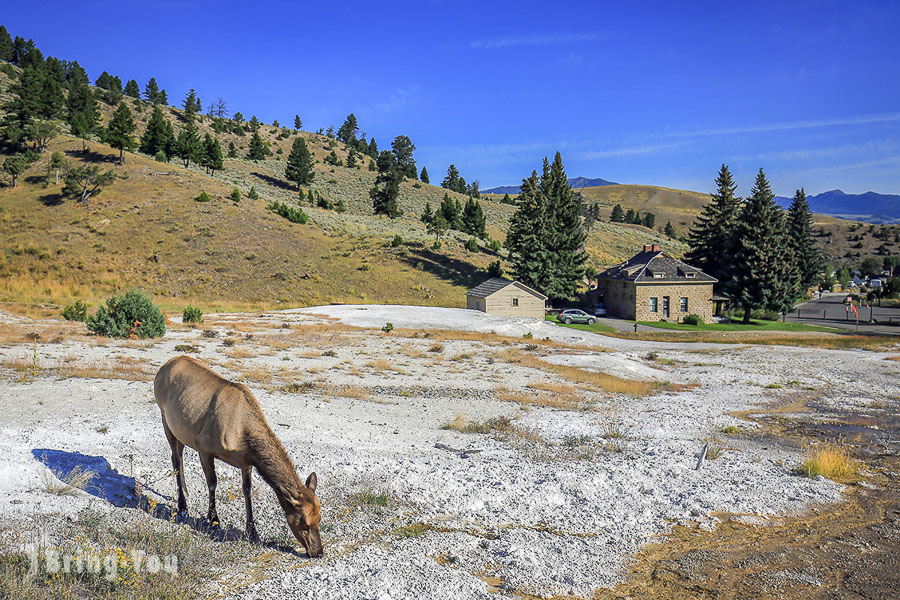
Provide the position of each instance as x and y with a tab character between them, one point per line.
651	248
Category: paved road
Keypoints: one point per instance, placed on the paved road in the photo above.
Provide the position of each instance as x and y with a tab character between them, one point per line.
884	320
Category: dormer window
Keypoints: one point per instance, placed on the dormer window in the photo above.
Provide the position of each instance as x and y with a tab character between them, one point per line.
690	275
658	275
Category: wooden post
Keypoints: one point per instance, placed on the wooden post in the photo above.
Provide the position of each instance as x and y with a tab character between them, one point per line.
702	456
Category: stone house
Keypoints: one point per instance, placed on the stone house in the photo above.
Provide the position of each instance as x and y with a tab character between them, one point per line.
505	298
653	286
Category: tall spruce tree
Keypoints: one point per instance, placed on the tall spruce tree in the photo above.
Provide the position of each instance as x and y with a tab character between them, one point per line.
347	132
451	180
120	134
188	146
449	209
802	247
132	89
6	45
546	237
761	276
298	124
473	221
151	92
212	154
709	237
299	167
157	136
386	190
402	148
257	149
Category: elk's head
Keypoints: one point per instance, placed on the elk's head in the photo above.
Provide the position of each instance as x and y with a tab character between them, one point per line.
303	518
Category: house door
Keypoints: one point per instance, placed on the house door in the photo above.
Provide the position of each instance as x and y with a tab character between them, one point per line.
665	307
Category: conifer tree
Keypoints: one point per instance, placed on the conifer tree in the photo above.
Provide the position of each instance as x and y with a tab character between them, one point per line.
649	220
212	154
386	190
14	166
6	45
347	132
546	236
631	216
156	136
254	124
669	231
451	180
373	148
188	146
802	248
423	176
190	105
151	92
298	124
132	89
57	162
709	237
257	149
760	270
86	182
402	148
299	167
120	134
473	220
507	200
427	214
82	112
351	159
450	211
232	150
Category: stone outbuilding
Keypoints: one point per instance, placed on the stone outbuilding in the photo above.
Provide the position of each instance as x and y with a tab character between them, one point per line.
653	286
505	298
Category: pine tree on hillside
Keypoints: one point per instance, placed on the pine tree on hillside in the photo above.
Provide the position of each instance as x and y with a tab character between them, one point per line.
351	159
373	148
6	45
132	89
403	148
617	215
423	176
347	132
761	274
669	231
190	104
212	154
299	167
451	180
427	214
473	221
387	186
631	216
546	237
709	237
254	124
188	146
151	92
156	135
120	133
83	114
298	124
451	212
649	220
802	247
257	149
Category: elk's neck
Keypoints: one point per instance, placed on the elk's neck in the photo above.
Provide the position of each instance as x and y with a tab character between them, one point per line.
275	467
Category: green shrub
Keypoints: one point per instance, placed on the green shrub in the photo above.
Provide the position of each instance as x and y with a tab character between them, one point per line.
397	241
203	197
131	314
253	195
160	156
192	314
472	245
8	69
292	214
340	206
324	203
495	269
75	312
693	320
235	195
388	327
494	245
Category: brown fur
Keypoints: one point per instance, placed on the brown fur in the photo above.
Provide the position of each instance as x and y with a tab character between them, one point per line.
222	420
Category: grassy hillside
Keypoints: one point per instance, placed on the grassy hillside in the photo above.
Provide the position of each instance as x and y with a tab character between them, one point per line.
147	230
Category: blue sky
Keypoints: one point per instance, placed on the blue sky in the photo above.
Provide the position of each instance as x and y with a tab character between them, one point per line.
636	92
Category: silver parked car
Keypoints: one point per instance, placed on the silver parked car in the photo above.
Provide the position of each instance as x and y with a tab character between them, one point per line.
575	315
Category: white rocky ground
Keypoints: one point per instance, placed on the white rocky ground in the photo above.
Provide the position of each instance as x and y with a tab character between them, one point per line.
559	508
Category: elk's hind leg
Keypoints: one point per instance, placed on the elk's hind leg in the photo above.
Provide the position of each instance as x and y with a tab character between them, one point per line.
207	461
178	465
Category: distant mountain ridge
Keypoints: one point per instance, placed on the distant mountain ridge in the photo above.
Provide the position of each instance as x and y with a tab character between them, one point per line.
870	207
575	182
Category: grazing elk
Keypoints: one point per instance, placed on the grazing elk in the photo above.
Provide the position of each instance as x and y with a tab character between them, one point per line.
221	419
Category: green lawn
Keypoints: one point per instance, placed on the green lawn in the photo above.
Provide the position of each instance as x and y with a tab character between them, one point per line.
754	325
595	328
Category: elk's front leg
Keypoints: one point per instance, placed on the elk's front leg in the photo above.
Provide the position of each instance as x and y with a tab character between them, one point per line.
250	528
209	469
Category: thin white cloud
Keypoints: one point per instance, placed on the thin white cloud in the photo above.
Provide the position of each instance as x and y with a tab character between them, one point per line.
594	154
890	160
788	125
533	40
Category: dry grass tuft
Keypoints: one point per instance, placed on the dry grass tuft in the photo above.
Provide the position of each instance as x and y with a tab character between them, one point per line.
831	461
380	365
73	482
562	396
500	426
239	353
257	375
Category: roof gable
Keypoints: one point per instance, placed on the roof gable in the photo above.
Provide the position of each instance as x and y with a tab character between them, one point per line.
495	284
656	267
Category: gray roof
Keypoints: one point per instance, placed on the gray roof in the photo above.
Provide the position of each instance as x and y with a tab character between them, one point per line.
495	284
656	267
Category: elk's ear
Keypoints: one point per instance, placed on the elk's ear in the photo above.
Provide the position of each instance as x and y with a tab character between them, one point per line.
311	482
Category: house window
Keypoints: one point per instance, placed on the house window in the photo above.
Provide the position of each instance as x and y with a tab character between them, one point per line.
690	275
659	275
515	301
683	304
654	304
